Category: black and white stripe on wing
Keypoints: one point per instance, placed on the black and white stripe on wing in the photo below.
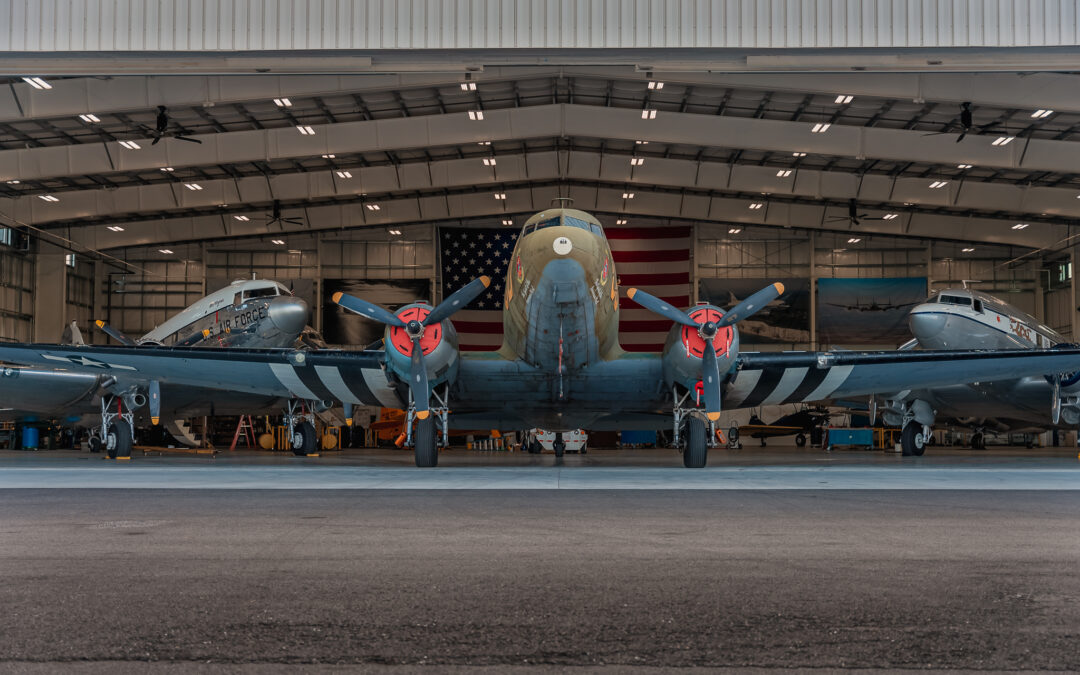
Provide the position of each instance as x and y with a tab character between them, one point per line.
769	386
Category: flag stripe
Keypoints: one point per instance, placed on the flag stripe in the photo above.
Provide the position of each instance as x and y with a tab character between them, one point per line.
659	279
640	233
651	256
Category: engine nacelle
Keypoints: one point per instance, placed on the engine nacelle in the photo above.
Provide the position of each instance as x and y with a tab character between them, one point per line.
685	347
439	343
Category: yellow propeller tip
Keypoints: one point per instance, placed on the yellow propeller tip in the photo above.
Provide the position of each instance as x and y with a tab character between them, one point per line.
422	414
713	416
486	281
336	297
348	422
99	323
155	420
779	287
630	293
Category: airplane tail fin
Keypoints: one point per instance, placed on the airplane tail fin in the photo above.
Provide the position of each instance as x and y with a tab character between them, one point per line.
72	335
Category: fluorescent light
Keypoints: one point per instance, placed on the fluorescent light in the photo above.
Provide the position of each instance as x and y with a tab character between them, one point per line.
193	186
641	142
476	115
820	128
783	173
938	184
620	221
282	102
343	174
507	221
1020	226
500	195
484	143
489	161
798	154
90	118
1003	140
166	251
966	250
734	230
839	250
648	114
69	260
628	195
890	216
167	169
844	98
372	207
48	198
395	232
963	166
854	240
305	130
468	86
242	219
277	241
1041	113
755	206
130	145
115	228
13	182
637	161
37	83
653	84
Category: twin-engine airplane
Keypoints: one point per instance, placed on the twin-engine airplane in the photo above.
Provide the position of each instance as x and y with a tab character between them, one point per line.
560	366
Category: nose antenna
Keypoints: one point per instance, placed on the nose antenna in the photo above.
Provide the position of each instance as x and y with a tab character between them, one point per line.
562	202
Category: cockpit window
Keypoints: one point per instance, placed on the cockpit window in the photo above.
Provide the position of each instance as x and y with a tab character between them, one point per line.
955	300
550	222
578	222
261	293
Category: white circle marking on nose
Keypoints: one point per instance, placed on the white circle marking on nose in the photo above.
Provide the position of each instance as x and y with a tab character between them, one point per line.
562	245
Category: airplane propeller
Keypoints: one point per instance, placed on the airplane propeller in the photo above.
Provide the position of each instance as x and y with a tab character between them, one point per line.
414	329
114	334
710	367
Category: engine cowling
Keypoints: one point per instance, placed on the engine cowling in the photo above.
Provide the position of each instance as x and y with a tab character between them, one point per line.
439	345
685	346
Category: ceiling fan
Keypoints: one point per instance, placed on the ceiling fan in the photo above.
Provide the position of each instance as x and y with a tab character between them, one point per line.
853	216
967	124
276	217
161	129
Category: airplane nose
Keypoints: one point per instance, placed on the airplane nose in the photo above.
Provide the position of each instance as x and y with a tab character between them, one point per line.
926	326
290	315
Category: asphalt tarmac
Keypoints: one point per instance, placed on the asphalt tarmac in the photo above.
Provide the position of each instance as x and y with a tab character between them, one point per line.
100	579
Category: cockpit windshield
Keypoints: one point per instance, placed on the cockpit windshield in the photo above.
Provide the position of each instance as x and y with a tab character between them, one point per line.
955	300
565	221
261	293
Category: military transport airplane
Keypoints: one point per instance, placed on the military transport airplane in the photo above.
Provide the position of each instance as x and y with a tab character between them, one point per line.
560	366
962	318
247	313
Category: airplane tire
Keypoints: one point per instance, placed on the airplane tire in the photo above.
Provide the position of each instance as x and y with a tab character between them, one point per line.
304	439
95	444
535	448
912	443
800	440
120	435
696	452
733	434
425	450
978	442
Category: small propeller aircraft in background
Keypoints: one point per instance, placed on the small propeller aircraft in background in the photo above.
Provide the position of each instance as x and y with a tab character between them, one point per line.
560	366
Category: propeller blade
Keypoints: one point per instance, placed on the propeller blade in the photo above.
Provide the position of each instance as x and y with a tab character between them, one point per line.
347	409
418	381
457	300
114	334
365	308
1055	403
751	305
710	382
154	394
658	306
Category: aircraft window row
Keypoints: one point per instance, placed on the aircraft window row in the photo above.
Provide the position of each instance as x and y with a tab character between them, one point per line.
577	222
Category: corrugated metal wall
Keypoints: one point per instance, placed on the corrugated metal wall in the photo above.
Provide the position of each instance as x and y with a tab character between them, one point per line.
196	25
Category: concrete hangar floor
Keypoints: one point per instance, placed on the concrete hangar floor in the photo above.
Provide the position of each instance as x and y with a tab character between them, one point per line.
617	561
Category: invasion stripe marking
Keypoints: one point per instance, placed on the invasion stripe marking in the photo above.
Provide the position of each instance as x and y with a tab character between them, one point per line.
310	378
770	378
294	384
832	382
790	380
381	391
331	377
744	383
811	382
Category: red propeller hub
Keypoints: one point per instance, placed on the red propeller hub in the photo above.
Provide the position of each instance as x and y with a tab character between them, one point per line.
695	344
401	339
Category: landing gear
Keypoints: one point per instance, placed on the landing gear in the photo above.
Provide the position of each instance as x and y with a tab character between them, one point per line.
913	439
559	444
696	452
978	441
535	447
425	447
303	439
733	442
118	440
800	440
117	430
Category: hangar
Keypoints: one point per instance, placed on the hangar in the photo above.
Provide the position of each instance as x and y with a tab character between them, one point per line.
296	165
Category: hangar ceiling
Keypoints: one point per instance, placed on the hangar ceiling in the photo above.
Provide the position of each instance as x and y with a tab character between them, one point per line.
399	149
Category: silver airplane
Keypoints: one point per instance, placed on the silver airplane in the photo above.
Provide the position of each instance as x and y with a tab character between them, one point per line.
253	313
963	318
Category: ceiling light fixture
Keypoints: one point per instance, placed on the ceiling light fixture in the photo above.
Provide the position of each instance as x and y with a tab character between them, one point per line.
890	216
844	98
484	143
279	242
1042	114
489	161
328	156
500	195
966	250
653	84
641	142
755	206
468	86
507	221
130	145
193	186
820	128
637	161
938	184
476	115
305	130
372	207
734	230
963	166
394	232
13	182
115	228
343	174
167	169
1003	140
620	221
1020	226
37	83
798	154
783	173
628	195
242	219
48	198
282	102
854	240
90	118
166	251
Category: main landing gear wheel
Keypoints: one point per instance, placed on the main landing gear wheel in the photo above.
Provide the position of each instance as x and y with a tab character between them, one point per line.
696	452
800	440
95	444
304	439
535	447
118	441
425	449
912	441
559	445
978	442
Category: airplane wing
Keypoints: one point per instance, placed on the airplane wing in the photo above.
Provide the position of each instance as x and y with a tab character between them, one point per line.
791	377
351	377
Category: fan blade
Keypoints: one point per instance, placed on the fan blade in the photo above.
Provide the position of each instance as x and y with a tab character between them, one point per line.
154	397
292	221
751	305
114	334
457	300
418	380
189	140
961	137
658	306
365	308
710	381
155	141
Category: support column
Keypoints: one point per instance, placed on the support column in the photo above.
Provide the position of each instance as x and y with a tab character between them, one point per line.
813	291
1073	295
50	293
1039	292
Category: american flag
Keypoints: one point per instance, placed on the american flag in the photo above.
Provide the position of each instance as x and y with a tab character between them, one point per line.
465	254
654	259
